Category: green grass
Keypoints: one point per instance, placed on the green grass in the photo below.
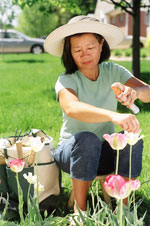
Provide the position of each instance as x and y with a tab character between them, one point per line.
27	95
27	100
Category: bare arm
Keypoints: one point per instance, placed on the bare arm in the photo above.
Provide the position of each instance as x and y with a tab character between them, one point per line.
142	89
132	90
71	105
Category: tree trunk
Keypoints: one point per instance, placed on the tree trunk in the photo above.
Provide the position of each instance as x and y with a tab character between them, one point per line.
136	39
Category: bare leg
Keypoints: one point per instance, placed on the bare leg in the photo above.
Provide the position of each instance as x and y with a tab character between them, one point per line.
80	189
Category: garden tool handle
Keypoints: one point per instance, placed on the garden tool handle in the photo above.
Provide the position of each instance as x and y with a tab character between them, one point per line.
19	149
31	158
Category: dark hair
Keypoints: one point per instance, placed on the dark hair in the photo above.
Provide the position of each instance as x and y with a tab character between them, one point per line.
68	60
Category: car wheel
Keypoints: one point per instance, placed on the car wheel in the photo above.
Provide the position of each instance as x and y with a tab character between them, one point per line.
37	49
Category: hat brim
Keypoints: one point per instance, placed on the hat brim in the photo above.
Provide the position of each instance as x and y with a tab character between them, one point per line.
54	42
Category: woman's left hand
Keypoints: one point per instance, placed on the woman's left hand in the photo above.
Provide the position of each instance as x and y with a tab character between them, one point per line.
128	96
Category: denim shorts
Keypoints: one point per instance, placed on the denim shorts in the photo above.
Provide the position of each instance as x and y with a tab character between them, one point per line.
84	157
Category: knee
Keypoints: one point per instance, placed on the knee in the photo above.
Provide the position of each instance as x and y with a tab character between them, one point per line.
136	160
139	144
87	138
87	144
85	156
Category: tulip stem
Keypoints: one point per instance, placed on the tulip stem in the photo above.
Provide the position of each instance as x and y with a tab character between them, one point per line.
121	206
20	197
28	197
130	163
117	162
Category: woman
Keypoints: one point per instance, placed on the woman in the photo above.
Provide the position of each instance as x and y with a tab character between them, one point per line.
89	104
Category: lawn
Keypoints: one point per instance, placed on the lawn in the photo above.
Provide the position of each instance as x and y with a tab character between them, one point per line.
27	94
27	100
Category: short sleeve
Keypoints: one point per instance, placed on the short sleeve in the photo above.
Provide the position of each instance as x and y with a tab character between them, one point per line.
122	73
65	81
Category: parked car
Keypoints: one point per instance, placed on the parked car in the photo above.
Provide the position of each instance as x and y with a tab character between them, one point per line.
12	41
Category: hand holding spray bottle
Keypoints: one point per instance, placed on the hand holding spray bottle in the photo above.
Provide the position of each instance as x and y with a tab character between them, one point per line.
119	93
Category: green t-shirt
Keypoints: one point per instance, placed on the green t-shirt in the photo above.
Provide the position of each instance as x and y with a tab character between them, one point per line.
97	93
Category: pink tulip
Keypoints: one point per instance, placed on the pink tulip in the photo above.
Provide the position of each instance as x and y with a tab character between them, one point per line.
117	141
135	184
118	188
16	165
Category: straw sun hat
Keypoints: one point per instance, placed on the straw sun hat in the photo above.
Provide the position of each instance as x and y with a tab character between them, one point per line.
54	42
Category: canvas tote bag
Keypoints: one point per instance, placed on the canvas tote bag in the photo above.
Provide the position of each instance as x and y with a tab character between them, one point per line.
48	172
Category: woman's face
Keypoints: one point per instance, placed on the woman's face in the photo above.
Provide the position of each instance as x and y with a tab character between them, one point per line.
86	51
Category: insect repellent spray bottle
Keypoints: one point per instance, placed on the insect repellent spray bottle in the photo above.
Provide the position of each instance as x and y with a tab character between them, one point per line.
119	93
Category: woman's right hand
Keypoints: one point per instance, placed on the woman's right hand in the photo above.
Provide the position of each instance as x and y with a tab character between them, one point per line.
128	122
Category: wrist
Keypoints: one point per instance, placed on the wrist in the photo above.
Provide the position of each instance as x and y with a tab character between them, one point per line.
137	93
113	116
